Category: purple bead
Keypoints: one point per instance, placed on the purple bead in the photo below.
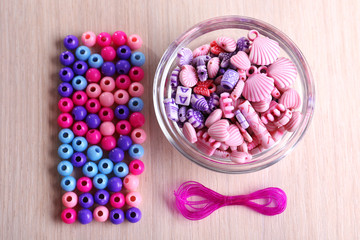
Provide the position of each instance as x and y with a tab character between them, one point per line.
117	216
123	52
102	197
79	113
171	109
93	120
225	59
71	42
229	80
201	60
241	119
202	73
123	67
85	216
184	57
214	102
195	118
182	114
174	78
122	112
67	58
116	155
78	159
124	142
133	215
65	89
108	68
86	200
221	71
80	67
66	74
243	44
198	102
114	184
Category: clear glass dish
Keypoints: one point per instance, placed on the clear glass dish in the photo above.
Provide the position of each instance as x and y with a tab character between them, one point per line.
236	27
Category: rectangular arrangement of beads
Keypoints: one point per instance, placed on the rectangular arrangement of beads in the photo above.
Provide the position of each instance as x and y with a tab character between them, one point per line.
101	132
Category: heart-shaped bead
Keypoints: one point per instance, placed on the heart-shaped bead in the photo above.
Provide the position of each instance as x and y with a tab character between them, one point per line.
220	130
235	138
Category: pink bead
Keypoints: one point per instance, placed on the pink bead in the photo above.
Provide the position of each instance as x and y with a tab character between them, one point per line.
68	215
131	182
121	97
133	199
88	39
108	53
69	199
138	136
79	98
134	42
119	38
137	119
123	82
93	136
93	75
106	114
107	128
107	84
108	143
84	184
106	99
92	105
136	74
80	128
123	127
117	200
136	167
65	120
65	105
101	214
136	89
103	39
93	90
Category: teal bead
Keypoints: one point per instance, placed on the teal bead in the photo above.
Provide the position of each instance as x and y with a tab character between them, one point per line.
68	183
121	170
65	151
65	168
79	144
94	153
136	104
66	135
79	83
136	151
106	166
82	53
90	169
95	60
100	181
137	59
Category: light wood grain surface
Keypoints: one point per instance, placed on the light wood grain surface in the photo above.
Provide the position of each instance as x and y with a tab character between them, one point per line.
320	177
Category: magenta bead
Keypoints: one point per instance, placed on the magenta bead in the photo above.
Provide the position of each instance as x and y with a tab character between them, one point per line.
123	127
137	119
79	98
84	184
123	82
65	120
107	128
93	75
131	182
80	128
65	105
136	167
107	84
138	136
93	136
93	90
88	39
108	53
134	42
121	97
106	114
136	89
136	74
119	38
68	215
101	213
117	200
108	143
69	199
92	105
106	99
133	199
103	39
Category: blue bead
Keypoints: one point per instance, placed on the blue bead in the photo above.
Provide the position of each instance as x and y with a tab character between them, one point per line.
136	104
94	153
80	67
82	53
79	144
124	142
65	168
68	183
106	166
66	135
123	67
100	181
86	200
85	216
121	112
66	74
65	151
90	169
116	155
71	42
93	120
65	89
117	216
79	113
102	197
136	151
123	52
121	170
108	68
137	59
95	60
78	159
67	58
79	83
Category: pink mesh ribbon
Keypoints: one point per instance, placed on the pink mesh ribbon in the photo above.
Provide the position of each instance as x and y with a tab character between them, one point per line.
205	201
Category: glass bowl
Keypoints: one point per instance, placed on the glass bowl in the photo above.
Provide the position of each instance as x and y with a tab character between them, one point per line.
236	27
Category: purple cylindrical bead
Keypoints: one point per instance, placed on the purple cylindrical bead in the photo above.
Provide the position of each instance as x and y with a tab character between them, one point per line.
171	109
229	80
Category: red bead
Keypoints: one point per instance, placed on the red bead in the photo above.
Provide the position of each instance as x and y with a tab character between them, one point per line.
65	120
123	82
79	98
119	38
80	128
123	127
103	39
93	136
93	75
136	74
108	143
65	105
68	215
106	114
136	167
137	119
92	105
108	53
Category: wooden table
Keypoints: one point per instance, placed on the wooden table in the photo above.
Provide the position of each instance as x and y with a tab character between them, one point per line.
320	177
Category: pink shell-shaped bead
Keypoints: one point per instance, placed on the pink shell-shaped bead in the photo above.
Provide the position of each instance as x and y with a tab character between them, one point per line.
219	130
188	76
263	50
235	139
241	61
263	105
258	87
189	132
213	67
240	157
213	117
290	99
226	43
294	122
284	73
202	50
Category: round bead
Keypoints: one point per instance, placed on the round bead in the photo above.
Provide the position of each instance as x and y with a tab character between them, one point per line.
88	39
108	143
121	97
93	75
121	170
106	166
103	39
93	120
136	167
107	128
79	113
86	200
85	216
138	136
100	181
80	67
68	215
108	53
123	52
66	135
95	60
65	151
117	200
80	128
66	74
119	38
136	104
84	184
123	127
78	159
123	82
79	144
123	67
79	98
136	151
117	216
122	112
106	99
107	84
69	199
133	199
116	155
124	142
106	114
93	136
71	42
82	53
68	183
79	83
65	89
94	153
134	42
136	74
93	90
65	105
65	120
133	215
90	169
137	59
108	68
114	184
136	89
65	168
137	119
101	214
93	105
102	197
131	182
67	58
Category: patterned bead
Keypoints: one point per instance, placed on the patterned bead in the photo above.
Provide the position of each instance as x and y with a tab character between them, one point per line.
195	118
114	184
182	114
66	74
205	88
102	197
243	44
119	38
65	168
108	53
67	58
214	102
79	144
227	105
174	78
171	109
226	43
68	183
133	215
65	89
138	136
183	96
69	199
90	169
82	53
65	151
136	151
78	159
84	184
85	216
230	78
184	57
202	73
241	119
103	39
68	216
100	181
201	60
134	41
198	102
95	60
136	89
88	39
136	167
79	83
121	170
133	199
101	214
105	166
66	135
117	216
117	200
